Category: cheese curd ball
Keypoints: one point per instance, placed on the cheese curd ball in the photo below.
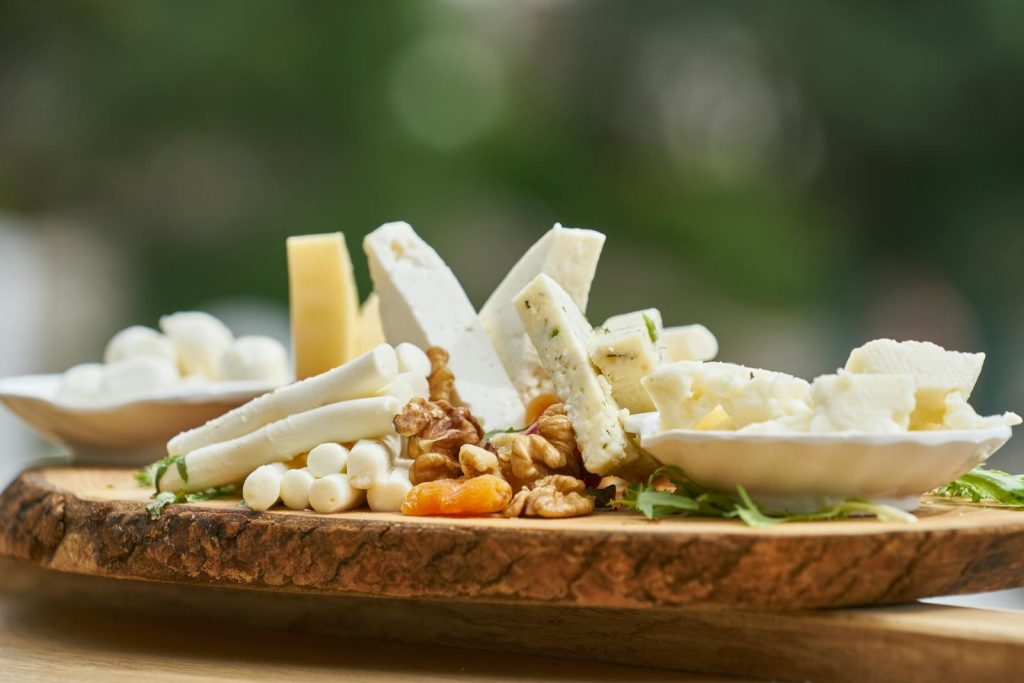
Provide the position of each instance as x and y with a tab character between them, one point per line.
136	377
255	358
200	340
81	384
137	341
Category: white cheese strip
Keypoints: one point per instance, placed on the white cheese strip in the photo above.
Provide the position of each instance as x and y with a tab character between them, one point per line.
360	377
626	349
687	391
936	372
569	256
560	333
327	458
262	488
230	461
295	486
334	493
421	302
845	402
688	342
388	494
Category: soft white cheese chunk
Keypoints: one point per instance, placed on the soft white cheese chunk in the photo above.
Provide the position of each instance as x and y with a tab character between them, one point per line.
262	488
936	372
256	358
81	384
960	415
689	342
412	358
387	494
847	402
327	458
560	334
136	377
687	391
569	256
200	341
295	485
334	493
137	341
421	302
626	349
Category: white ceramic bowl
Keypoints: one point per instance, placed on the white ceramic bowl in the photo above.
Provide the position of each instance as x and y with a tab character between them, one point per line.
802	472
126	433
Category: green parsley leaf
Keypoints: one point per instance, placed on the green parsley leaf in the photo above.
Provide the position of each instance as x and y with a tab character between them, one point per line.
510	430
161	466
981	484
164	498
144	476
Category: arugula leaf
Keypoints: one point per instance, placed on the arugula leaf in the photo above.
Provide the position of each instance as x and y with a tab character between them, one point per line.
689	499
510	430
982	484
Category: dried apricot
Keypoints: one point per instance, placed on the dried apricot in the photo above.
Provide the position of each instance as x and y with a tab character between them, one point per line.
477	496
538	405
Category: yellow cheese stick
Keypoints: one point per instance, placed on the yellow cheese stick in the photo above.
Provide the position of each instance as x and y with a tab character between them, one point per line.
324	303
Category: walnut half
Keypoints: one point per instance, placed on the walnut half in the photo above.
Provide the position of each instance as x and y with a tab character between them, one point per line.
553	496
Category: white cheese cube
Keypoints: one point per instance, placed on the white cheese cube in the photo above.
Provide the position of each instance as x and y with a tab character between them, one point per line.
687	391
688	342
200	341
569	256
560	334
936	372
256	358
846	402
421	302
626	349
960	415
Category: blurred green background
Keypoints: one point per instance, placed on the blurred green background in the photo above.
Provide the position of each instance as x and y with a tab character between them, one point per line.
799	176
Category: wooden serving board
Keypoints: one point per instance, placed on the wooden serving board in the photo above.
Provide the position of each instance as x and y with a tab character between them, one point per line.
93	521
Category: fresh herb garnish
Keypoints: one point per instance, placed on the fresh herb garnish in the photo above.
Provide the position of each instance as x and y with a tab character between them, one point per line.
554	333
652	331
144	476
668	492
165	498
981	484
510	430
160	468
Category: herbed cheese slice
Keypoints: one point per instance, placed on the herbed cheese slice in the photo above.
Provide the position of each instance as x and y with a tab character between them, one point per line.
324	303
560	333
422	302
568	256
687	391
846	402
936	372
627	348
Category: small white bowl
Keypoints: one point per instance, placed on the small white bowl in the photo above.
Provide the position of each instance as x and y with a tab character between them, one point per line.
803	472
126	433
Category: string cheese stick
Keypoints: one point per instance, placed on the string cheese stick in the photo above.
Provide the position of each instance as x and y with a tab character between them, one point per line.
368	462
334	493
412	358
360	377
262	488
327	458
230	461
387	495
295	488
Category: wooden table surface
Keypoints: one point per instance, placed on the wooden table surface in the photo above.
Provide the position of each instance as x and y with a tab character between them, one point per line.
56	626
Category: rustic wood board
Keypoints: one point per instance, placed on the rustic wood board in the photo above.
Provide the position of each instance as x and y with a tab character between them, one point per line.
93	521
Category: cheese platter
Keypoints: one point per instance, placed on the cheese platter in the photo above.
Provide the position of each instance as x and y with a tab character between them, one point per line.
520	453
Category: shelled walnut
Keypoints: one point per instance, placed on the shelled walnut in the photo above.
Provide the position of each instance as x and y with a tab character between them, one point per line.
557	495
441	379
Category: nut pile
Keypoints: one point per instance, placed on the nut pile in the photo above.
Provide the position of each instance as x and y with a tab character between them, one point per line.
536	472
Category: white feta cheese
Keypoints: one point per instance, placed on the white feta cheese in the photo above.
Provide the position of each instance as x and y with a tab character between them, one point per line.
960	415
936	372
688	342
685	392
846	402
626	348
569	256
421	302
560	334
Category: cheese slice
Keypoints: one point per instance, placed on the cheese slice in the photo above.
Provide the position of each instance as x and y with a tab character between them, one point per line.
960	415
627	348
845	402
688	391
560	333
568	256
324	303
371	332
936	372
421	302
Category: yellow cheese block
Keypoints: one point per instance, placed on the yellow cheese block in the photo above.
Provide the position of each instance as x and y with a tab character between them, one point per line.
371	331
324	303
